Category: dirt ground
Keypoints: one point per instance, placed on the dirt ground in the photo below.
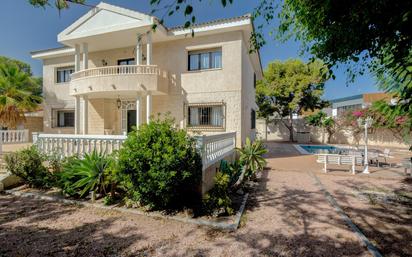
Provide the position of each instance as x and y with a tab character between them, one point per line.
287	215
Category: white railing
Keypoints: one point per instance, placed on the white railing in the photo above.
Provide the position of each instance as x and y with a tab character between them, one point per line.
216	147
213	148
14	136
116	70
68	145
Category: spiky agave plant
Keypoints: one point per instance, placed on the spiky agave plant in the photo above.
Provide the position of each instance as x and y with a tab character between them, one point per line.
87	174
251	156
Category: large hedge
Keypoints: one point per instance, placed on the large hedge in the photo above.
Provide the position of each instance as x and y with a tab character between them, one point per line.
161	166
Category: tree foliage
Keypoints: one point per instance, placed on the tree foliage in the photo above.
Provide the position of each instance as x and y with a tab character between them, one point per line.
320	119
388	116
59	4
291	87
25	67
18	94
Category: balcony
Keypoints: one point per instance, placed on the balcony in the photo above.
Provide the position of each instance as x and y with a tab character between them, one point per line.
114	80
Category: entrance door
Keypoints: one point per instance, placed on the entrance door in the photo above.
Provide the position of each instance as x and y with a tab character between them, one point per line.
131	120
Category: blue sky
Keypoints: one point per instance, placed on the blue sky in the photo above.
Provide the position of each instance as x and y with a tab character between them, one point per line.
25	29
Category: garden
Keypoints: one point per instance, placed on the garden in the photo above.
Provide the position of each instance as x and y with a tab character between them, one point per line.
158	169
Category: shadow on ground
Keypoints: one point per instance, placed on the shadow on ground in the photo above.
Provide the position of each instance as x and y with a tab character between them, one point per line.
388	225
26	238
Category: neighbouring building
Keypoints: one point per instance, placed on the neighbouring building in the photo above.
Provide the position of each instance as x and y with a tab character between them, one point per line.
115	72
341	105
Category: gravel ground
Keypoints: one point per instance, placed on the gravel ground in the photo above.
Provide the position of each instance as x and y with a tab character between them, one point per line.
388	226
287	215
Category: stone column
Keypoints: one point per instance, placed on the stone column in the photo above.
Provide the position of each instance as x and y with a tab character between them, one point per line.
77	115
85	56
77	57
148	106
149	49
138	112
139	50
85	112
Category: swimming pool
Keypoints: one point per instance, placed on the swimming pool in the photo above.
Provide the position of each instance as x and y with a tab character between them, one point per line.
317	149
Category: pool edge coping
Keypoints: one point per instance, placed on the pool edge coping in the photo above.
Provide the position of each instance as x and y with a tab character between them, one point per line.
301	150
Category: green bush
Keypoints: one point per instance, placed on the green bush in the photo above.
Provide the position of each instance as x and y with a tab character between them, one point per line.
28	165
232	169
80	176
162	166
217	200
251	156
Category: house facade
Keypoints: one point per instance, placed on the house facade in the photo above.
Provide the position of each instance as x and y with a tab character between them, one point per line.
115	72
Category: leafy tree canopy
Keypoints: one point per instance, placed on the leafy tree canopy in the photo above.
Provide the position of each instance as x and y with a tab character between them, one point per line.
291	87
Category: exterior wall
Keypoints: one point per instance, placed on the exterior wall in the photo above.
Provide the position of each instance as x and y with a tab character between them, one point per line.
278	132
208	175
248	95
96	116
218	85
232	85
33	124
56	95
373	97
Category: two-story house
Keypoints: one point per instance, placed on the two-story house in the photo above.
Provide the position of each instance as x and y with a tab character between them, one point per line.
115	72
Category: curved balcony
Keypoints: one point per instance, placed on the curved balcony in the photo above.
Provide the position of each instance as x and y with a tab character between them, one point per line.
119	79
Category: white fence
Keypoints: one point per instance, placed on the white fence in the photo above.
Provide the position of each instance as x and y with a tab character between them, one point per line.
213	148
68	144
13	137
216	147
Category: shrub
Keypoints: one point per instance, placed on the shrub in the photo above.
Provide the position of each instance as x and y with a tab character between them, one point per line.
251	155
162	166
251	158
81	176
28	165
232	169
217	200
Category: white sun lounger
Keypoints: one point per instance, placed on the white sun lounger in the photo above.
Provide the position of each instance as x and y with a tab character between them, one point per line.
338	159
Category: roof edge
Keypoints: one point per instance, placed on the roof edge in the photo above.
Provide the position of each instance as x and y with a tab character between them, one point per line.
47	53
212	22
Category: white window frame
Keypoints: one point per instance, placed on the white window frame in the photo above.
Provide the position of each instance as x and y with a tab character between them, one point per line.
71	67
206	127
199	53
55	117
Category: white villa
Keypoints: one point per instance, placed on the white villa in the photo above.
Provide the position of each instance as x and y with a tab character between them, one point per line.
115	72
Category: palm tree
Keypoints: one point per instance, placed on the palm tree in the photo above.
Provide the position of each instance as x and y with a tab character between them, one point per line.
17	95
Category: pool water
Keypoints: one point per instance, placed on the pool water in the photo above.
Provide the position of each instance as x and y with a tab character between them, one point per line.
317	149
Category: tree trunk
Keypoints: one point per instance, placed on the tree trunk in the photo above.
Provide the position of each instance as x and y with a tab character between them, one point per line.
291	139
329	137
266	129
289	126
241	178
113	190
330	133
